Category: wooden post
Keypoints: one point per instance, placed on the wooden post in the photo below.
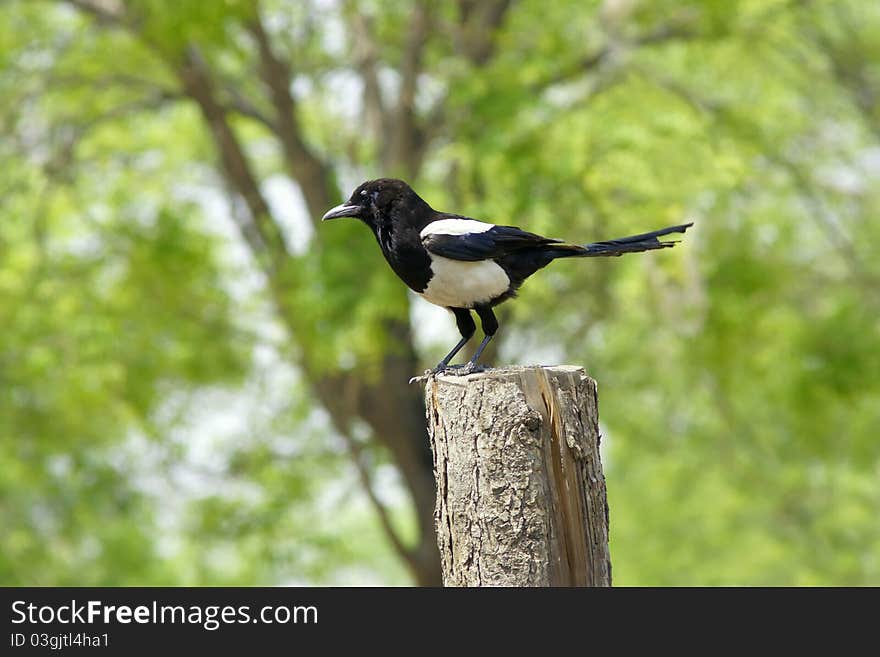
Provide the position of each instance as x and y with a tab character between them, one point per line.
520	490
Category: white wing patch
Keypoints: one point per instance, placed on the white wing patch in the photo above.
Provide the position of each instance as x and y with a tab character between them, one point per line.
460	284
455	227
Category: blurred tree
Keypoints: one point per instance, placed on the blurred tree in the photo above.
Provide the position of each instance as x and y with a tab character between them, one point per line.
739	375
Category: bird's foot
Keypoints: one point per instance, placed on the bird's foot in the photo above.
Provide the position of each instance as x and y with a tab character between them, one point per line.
451	370
440	369
468	368
424	377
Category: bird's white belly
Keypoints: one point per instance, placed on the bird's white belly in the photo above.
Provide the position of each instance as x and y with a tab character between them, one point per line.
460	284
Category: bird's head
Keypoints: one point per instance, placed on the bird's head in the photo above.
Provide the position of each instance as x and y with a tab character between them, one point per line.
374	201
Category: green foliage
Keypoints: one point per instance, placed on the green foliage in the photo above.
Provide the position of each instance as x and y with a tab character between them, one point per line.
149	432
96	330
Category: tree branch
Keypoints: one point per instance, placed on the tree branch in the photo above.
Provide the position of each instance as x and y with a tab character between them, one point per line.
405	138
58	165
233	102
240	104
366	56
100	11
478	23
199	85
356	452
592	61
475	40
851	73
818	210
310	172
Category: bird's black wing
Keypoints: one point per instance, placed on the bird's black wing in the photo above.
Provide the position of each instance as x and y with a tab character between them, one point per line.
496	242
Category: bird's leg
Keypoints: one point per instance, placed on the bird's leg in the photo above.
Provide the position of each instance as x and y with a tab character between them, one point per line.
471	365
443	364
466	326
490	327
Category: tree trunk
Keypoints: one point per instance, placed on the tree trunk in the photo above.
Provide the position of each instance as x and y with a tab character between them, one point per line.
520	490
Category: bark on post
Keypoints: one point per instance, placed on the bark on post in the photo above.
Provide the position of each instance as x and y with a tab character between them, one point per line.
520	490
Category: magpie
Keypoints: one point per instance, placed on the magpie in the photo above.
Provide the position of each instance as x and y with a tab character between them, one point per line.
464	264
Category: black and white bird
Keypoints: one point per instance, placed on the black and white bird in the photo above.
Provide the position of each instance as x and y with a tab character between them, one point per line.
464	264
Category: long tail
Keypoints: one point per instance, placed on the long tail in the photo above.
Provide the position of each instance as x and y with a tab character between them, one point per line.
632	244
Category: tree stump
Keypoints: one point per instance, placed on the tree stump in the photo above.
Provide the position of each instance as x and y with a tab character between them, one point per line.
520	490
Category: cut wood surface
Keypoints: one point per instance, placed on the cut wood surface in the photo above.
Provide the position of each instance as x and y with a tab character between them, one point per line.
520	490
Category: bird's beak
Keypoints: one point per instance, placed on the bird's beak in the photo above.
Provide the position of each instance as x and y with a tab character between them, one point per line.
344	210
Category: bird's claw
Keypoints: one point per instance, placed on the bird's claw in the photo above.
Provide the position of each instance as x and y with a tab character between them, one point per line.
472	368
450	370
464	370
424	377
440	369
